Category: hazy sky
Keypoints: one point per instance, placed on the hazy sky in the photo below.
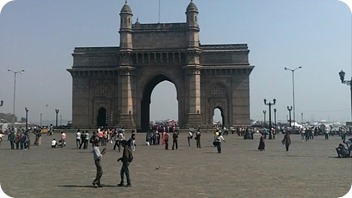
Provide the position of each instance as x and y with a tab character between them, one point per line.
40	35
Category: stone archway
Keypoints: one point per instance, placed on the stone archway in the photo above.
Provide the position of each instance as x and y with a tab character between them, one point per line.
101	118
146	99
205	76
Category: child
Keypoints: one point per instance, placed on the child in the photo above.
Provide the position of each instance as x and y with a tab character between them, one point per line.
53	143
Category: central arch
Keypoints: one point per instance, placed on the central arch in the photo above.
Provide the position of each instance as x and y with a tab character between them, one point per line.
146	99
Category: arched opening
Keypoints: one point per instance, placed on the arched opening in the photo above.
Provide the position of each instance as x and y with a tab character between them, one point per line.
163	104
218	117
101	118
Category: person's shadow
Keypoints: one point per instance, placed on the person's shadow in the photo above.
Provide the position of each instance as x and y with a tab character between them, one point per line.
84	186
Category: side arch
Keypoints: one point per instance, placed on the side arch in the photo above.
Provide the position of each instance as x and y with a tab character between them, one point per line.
218	94
102	117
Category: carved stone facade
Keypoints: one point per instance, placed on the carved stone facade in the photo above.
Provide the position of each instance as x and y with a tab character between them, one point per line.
112	86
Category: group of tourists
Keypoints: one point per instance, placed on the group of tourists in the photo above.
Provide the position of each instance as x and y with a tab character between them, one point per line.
19	139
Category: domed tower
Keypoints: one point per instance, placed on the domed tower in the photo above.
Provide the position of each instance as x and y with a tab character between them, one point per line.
193	77
126	27
126	115
193	27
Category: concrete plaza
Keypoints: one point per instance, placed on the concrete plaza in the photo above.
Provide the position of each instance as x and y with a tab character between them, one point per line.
309	169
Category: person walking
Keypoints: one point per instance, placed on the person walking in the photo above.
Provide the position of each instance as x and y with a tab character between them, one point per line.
78	139
287	140
120	138
126	159
218	141
189	137
83	137
132	141
12	138
63	139
166	140
175	140
97	157
198	138
261	146
86	140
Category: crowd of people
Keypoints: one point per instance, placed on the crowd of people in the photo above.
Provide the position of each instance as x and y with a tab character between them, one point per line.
158	135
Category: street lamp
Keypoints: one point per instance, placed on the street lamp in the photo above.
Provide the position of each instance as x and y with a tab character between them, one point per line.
26	109
57	111
270	104
264	112
293	91
275	118
41	117
348	83
289	113
14	92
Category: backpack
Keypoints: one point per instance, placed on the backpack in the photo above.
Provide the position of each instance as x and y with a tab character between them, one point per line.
175	135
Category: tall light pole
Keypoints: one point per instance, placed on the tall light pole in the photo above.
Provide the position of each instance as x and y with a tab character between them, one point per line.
289	113
270	104
348	83
14	92
264	112
293	92
26	109
275	118
56	111
41	117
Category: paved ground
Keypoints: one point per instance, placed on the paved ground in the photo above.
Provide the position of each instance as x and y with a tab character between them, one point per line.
309	169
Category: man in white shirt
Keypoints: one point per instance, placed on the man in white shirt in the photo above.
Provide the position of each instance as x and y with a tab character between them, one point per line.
97	156
218	141
78	138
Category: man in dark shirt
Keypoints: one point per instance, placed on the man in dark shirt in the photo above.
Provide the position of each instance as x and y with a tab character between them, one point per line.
126	159
175	140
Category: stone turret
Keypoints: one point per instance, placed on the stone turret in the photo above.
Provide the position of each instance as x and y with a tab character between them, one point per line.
192	24
126	27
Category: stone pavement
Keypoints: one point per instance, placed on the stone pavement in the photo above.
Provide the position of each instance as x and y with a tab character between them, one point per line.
309	169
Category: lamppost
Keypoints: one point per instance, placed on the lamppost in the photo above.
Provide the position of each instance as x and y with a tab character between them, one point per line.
264	112
289	113
348	83
14	92
41	116
293	92
26	109
270	104
275	118
56	111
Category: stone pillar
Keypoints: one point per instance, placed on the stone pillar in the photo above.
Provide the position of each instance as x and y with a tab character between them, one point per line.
194	116
126	119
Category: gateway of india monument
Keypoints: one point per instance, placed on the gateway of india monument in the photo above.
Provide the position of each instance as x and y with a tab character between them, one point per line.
112	86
